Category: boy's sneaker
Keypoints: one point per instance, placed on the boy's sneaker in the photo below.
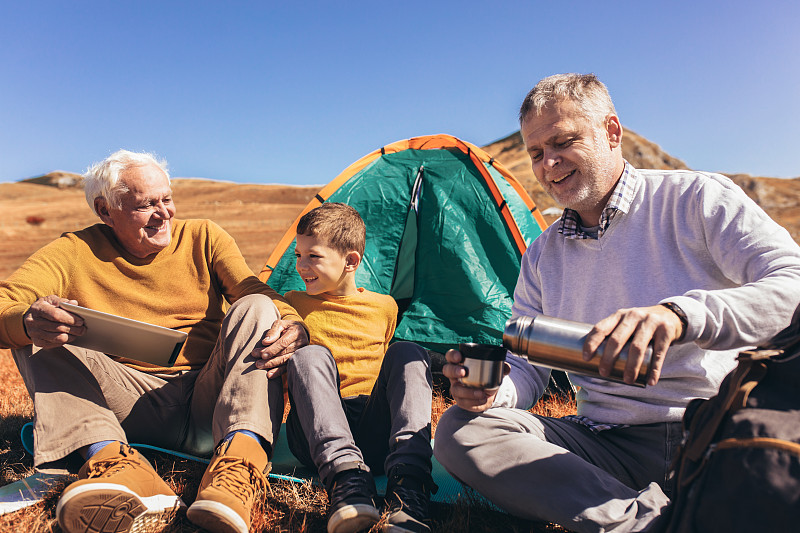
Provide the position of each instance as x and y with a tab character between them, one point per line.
117	491
408	496
230	485
352	501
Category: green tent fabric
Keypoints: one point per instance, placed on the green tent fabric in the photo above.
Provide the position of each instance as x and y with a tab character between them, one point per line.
446	228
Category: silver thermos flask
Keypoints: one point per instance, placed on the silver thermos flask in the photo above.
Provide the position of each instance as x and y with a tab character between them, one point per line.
558	344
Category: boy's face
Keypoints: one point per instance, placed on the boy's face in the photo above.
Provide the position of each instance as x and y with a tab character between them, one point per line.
324	269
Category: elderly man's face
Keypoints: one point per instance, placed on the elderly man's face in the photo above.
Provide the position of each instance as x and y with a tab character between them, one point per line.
572	157
143	222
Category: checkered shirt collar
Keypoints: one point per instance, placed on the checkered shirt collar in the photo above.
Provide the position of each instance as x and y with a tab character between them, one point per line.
620	201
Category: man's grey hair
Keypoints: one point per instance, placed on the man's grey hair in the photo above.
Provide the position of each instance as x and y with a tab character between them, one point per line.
588	92
102	179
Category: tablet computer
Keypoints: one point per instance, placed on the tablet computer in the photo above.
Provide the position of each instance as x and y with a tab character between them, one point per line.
127	338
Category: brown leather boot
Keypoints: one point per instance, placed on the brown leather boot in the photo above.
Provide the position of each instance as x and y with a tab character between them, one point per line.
233	480
117	491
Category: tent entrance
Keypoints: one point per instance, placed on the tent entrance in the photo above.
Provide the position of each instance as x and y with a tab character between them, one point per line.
402	289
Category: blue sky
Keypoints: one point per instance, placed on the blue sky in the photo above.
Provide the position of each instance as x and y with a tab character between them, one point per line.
293	92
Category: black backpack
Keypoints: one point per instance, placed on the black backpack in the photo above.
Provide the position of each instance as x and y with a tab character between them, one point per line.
738	468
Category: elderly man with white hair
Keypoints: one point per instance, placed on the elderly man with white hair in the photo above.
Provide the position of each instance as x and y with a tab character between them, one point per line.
221	395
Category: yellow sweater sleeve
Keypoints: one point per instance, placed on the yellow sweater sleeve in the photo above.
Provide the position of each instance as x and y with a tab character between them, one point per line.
356	329
182	287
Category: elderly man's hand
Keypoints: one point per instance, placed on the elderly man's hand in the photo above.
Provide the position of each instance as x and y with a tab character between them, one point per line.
467	398
278	345
642	326
49	326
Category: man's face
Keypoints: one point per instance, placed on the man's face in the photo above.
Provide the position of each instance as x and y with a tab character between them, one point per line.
323	269
572	157
142	224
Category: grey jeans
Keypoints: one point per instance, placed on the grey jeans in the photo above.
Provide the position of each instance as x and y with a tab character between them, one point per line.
560	471
390	426
81	396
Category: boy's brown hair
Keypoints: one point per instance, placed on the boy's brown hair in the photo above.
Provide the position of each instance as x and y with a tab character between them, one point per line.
339	225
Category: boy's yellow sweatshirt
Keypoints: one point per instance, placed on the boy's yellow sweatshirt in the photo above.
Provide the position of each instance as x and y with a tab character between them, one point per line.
356	329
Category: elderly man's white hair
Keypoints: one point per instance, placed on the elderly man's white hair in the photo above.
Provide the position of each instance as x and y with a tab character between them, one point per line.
102	179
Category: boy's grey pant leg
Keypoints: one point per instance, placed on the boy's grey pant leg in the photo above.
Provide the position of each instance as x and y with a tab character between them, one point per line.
395	426
554	470
318	430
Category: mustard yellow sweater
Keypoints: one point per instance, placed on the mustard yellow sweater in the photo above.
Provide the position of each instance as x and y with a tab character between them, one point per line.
182	287
356	329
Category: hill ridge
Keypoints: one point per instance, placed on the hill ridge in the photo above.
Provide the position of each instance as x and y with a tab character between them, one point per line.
258	215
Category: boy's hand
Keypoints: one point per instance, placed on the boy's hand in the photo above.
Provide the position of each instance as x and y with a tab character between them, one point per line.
467	398
278	345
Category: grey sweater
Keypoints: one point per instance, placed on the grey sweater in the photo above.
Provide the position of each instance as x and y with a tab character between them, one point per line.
691	238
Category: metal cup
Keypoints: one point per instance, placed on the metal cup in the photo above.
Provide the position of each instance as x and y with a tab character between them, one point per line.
484	364
558	344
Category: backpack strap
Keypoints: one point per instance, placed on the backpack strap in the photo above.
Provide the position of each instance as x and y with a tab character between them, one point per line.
690	460
758	442
751	369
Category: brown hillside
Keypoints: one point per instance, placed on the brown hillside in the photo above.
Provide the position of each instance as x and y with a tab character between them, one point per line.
258	215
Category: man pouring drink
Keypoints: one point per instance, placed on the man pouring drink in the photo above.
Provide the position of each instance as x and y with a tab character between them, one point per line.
682	263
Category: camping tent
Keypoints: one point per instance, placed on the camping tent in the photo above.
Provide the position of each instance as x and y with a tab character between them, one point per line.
446	228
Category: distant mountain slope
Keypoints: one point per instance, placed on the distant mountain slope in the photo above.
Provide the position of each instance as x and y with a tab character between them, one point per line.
778	197
57	178
258	215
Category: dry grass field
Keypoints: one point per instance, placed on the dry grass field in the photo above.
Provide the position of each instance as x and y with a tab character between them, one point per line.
257	216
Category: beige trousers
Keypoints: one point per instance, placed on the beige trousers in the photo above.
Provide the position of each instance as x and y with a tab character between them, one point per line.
81	396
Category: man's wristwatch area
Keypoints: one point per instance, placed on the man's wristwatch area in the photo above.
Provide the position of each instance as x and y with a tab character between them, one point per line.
681	316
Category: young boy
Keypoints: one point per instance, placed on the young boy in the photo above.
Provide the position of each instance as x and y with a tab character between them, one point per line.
353	409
